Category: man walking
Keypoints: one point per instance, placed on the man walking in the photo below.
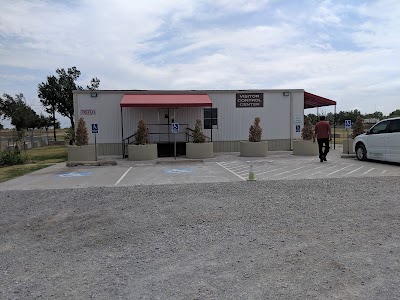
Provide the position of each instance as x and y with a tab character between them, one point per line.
323	134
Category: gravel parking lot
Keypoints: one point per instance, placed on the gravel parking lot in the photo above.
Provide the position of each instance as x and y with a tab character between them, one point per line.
330	238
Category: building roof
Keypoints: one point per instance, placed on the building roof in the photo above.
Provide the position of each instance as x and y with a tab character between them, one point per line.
311	101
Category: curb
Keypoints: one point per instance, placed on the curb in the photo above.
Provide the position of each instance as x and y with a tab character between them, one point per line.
91	163
348	156
179	161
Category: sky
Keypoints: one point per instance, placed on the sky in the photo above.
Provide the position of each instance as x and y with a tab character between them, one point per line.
342	50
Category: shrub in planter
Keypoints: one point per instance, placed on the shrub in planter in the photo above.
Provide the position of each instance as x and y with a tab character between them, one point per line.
81	135
254	147
198	136
199	149
358	127
82	151
255	131
305	146
142	149
142	134
307	131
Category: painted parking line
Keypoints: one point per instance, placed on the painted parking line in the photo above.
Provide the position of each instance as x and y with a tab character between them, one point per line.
221	165
355	170
366	172
288	171
339	170
122	177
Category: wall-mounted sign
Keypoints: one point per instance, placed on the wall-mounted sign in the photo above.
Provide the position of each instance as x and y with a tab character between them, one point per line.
88	112
249	100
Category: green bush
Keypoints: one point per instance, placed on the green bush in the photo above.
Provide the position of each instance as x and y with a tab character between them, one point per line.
10	158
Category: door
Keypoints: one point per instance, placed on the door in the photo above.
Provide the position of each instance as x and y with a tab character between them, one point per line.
166	116
376	141
392	141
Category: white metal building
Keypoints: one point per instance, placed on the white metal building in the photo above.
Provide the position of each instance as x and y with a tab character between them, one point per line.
225	114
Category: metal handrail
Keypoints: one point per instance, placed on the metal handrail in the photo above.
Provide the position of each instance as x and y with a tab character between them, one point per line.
130	139
188	135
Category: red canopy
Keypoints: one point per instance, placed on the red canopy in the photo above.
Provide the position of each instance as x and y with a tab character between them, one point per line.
165	100
311	100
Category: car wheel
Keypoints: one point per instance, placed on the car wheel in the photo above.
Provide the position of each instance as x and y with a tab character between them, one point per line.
361	152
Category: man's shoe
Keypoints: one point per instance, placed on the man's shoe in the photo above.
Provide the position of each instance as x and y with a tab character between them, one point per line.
321	159
324	158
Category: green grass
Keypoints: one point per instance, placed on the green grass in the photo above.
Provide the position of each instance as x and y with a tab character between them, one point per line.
7	173
38	158
49	154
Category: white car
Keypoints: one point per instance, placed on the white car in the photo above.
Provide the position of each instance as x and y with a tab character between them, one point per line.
380	142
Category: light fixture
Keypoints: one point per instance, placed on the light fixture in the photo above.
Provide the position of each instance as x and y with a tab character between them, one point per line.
93	95
286	94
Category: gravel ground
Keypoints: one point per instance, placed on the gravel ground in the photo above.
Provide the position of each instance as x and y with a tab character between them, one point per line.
303	239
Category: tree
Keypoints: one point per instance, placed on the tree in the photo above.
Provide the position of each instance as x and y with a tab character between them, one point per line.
22	116
313	118
395	113
56	94
49	94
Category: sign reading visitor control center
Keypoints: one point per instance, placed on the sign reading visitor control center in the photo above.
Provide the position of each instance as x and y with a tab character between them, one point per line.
249	100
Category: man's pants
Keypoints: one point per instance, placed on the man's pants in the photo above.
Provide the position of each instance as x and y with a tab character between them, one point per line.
321	143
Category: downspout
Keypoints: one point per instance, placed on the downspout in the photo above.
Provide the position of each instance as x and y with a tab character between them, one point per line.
291	121
334	130
211	122
122	130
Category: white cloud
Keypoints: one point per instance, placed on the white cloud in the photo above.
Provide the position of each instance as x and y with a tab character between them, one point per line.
343	52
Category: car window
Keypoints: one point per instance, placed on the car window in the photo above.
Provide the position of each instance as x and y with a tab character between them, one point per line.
379	128
394	126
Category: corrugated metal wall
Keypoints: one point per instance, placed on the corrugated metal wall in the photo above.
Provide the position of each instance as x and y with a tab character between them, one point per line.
233	123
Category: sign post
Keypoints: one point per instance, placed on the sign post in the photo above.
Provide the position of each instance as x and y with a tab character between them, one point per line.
347	125
95	130
175	130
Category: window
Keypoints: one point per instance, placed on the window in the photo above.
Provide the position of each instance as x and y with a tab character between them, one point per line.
210	115
379	128
394	126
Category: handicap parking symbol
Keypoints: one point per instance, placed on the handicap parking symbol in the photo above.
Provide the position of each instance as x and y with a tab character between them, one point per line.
74	174
347	124
178	171
297	128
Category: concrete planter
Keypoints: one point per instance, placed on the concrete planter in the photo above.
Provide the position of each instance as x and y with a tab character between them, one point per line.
142	152
82	153
305	148
348	146
254	149
199	150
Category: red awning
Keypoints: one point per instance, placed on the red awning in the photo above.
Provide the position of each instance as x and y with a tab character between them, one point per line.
156	100
311	100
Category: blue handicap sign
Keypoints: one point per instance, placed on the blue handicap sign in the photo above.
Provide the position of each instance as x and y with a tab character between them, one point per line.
347	124
175	127
95	128
297	128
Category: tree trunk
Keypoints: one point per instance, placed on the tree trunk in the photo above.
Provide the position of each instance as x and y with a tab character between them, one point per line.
54	125
71	118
